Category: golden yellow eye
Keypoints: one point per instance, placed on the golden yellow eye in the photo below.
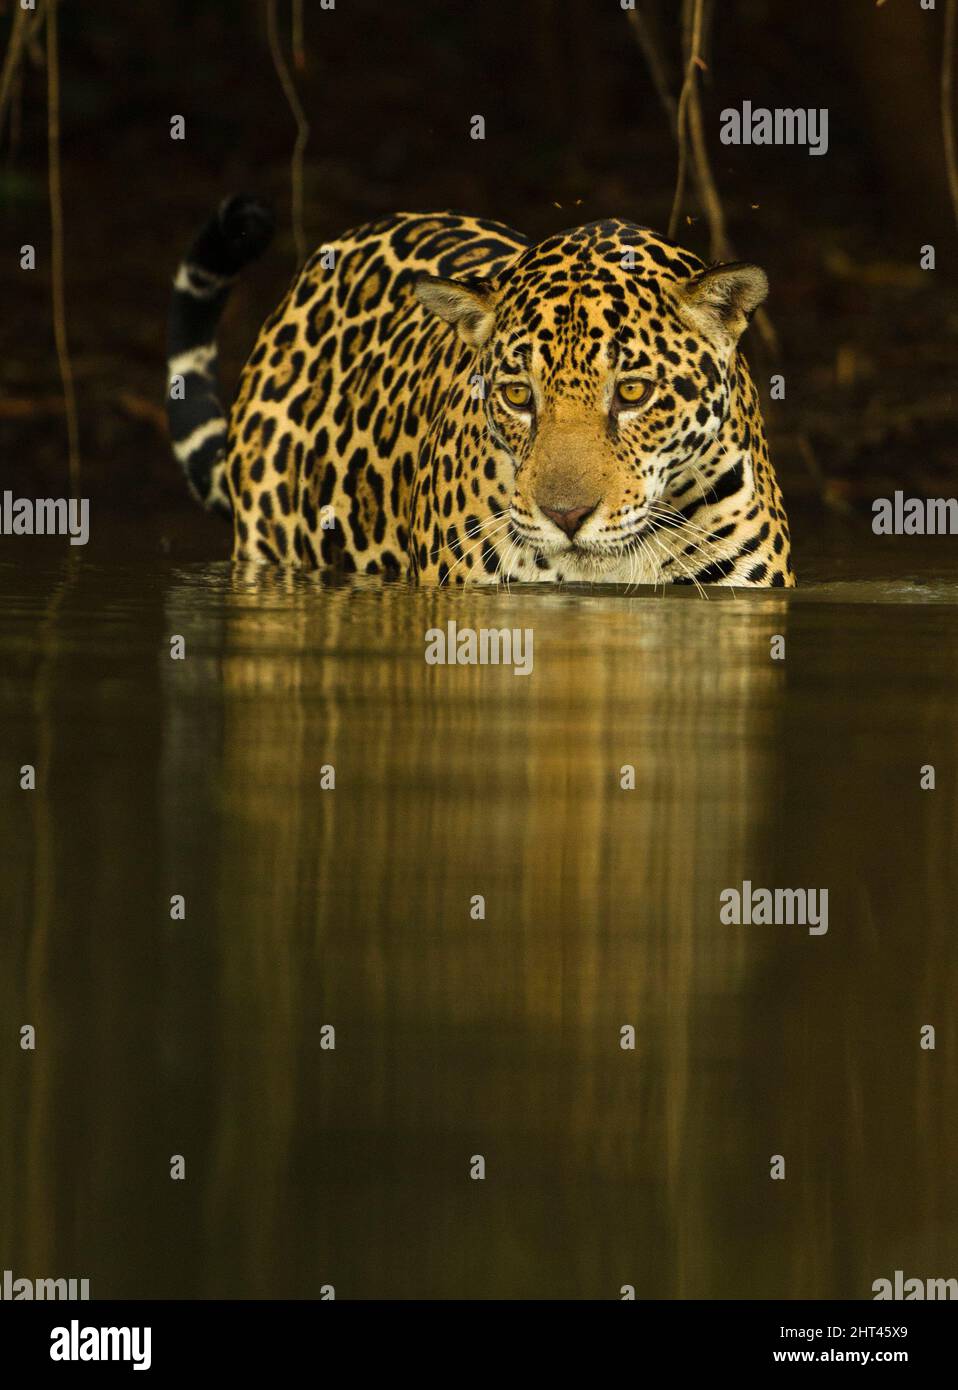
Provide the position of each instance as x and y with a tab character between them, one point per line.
634	392
517	394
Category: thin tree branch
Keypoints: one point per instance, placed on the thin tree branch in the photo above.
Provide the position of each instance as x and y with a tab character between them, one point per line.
947	100
715	213
20	33
302	128
298	43
56	243
692	32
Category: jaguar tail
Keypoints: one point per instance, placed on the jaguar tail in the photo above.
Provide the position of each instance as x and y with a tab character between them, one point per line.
238	233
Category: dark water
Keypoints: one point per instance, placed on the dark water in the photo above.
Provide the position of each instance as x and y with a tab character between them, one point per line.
306	907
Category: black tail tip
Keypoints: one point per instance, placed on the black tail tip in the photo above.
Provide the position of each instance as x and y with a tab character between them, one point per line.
241	230
247	224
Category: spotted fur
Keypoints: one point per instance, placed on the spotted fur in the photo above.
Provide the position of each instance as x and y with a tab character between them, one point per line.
437	397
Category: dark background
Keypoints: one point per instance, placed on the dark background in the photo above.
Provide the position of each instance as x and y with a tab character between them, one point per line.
868	342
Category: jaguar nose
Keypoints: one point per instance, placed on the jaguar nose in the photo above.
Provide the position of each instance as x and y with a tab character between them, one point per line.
570	519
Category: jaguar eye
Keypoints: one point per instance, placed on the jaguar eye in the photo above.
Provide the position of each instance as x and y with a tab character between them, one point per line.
633	392
517	394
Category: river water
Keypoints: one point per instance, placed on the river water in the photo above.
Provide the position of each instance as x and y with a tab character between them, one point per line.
465	1030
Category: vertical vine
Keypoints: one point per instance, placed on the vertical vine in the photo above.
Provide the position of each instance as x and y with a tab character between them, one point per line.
299	116
58	288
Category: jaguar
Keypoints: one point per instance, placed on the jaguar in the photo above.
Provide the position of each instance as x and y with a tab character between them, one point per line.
438	397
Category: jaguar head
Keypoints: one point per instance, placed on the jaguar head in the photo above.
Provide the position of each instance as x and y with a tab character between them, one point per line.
607	357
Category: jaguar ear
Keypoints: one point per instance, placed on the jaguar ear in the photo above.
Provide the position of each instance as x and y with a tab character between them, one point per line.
469	304
722	300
